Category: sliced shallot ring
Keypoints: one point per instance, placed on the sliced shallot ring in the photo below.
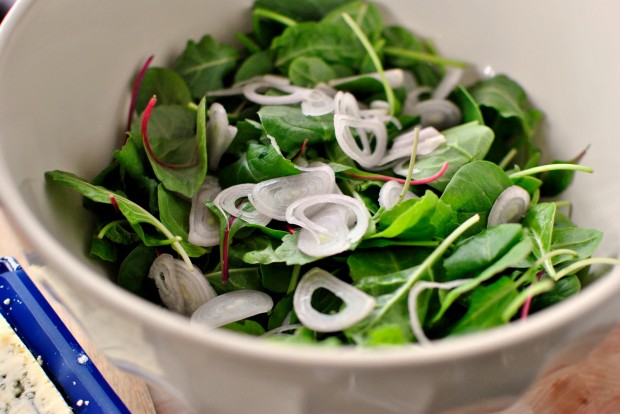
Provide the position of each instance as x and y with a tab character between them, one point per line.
395	78
365	156
296	215
219	134
281	329
390	193
317	103
438	113
357	304
295	95
429	140
450	81
232	307
228	198
272	197
180	289
204	229
412	304
509	207
332	238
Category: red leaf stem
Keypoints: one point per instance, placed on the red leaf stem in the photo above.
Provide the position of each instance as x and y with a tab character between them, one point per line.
290	228
301	150
115	204
225	244
379	177
136	87
525	310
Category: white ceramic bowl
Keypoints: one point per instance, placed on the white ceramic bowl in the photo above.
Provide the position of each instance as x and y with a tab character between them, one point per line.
65	73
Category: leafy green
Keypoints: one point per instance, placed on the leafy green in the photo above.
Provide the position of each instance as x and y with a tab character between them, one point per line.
135	268
309	71
204	65
164	83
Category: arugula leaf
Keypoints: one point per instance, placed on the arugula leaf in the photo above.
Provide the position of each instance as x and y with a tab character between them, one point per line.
464	144
259	163
290	127
163	138
333	43
166	84
204	65
134	214
486	307
474	189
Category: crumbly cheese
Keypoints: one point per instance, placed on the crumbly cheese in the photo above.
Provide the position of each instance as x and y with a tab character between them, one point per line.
24	386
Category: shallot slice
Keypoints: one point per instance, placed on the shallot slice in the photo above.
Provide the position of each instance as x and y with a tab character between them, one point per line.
232	307
366	156
450	80
272	197
228	199
357	304
439	113
317	103
294	94
204	229
412	303
390	193
395	77
180	289
328	230
219	134
428	141
509	207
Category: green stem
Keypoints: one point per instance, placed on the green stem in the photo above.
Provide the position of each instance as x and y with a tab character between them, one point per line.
276	17
506	160
575	267
550	167
107	227
424	267
423	57
523	296
389	92
414	151
555	253
294	279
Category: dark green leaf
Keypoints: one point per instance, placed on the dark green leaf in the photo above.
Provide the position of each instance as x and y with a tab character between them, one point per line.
539	222
583	241
247	326
364	263
259	63
563	288
401	38
365	14
309	71
239	279
306	10
164	83
135	268
204	65
103	249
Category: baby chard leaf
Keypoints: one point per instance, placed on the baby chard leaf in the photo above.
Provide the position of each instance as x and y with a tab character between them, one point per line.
177	174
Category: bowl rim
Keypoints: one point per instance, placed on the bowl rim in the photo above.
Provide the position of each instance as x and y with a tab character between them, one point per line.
84	278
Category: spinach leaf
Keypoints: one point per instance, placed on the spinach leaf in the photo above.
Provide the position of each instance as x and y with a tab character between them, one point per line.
309	71
365	263
473	190
539	223
486	307
164	83
259	63
410	219
135	268
117	232
276	277
246	326
256	250
238	279
281	310
517	253
365	14
464	144
259	163
167	131
204	65
581	240
290	127
335	44
468	105
289	253
474	254
507	98
397	37
306	10
173	213
103	249
563	288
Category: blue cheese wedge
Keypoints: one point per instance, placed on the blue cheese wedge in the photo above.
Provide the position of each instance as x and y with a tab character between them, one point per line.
24	386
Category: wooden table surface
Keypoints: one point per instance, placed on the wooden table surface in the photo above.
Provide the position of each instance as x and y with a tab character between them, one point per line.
591	386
